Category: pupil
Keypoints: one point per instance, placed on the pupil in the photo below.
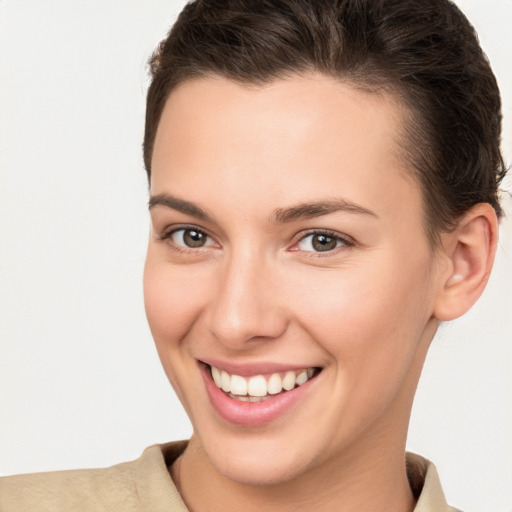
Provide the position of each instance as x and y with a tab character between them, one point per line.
324	243
194	238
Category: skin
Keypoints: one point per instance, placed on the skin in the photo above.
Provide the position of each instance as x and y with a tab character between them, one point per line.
257	291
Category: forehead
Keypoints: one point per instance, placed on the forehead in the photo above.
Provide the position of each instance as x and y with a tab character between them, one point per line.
289	140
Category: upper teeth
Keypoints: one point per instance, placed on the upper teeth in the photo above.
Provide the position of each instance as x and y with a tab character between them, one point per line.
259	385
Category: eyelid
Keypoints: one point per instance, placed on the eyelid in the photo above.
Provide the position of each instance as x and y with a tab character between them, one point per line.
345	239
169	231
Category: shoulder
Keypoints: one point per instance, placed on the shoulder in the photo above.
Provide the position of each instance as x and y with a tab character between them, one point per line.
132	486
87	489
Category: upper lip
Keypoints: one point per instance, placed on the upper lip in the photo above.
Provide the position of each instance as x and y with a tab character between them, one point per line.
254	368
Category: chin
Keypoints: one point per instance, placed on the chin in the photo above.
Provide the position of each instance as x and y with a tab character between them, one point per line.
257	472
257	461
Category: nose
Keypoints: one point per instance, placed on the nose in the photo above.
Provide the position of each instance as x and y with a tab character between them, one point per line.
246	308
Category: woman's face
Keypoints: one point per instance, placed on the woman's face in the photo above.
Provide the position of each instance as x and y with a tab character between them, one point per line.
287	245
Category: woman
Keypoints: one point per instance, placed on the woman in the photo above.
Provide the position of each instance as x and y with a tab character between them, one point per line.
323	180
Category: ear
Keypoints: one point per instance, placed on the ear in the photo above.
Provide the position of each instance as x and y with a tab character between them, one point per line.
469	253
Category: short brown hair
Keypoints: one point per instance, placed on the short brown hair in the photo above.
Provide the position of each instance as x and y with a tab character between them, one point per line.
425	53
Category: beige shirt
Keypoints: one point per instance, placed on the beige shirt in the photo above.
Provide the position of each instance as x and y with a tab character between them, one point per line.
145	485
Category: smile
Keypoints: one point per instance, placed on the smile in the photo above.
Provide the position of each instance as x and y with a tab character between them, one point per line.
262	394
258	388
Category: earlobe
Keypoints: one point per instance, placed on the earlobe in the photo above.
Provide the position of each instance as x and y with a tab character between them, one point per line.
470	250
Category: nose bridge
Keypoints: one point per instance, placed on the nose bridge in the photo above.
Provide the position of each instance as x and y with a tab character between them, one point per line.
246	305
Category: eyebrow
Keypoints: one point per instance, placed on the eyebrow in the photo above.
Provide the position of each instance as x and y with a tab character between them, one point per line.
317	209
180	205
279	216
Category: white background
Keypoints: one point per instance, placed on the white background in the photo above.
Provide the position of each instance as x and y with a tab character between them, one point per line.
80	382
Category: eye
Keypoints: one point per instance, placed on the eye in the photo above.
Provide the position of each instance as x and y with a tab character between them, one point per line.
191	238
321	242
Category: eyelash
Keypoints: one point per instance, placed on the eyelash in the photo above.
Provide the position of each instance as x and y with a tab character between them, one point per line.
167	237
343	240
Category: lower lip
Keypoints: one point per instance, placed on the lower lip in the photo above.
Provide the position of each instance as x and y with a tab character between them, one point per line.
252	414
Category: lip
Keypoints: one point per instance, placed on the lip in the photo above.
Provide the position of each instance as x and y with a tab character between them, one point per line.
250	369
253	414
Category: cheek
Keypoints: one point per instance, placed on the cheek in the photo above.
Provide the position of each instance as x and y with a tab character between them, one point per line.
173	298
371	320
371	325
